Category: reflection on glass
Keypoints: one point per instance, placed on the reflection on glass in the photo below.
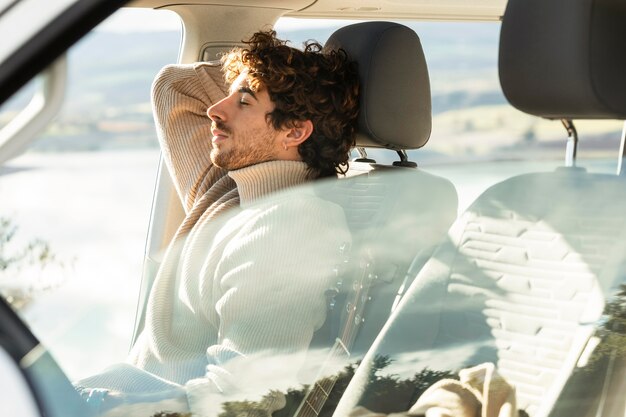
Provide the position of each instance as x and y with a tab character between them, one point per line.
386	393
395	248
597	386
518	283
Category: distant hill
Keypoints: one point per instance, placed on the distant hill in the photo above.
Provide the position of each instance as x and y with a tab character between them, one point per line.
118	68
110	74
462	61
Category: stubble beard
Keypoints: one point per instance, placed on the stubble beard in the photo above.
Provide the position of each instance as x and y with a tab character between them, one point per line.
248	148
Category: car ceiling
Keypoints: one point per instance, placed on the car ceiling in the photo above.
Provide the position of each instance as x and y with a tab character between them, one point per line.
362	9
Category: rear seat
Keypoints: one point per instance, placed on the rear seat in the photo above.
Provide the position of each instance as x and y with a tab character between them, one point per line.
522	280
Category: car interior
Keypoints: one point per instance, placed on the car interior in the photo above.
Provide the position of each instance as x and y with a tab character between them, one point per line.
394	229
526	268
521	278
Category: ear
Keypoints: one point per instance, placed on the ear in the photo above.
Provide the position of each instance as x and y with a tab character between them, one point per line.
297	134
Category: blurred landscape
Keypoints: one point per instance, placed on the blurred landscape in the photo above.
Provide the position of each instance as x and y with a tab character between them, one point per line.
108	97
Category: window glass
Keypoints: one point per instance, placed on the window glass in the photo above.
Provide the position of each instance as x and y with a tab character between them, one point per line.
477	137
478	140
76	205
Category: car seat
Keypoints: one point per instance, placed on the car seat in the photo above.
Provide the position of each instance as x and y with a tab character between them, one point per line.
522	279
396	213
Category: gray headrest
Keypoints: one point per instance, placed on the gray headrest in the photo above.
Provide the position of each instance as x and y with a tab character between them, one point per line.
395	110
565	58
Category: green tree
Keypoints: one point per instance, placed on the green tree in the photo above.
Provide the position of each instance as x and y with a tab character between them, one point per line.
15	257
385	393
612	332
585	390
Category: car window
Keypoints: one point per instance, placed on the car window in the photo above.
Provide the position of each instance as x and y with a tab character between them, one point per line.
76	208
76	205
477	137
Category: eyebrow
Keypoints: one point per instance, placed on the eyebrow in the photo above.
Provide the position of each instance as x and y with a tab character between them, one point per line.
247	90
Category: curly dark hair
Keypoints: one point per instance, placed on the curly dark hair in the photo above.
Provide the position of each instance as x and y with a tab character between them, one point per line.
309	84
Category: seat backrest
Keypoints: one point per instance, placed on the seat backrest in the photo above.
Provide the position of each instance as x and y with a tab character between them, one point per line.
520	283
396	220
522	279
397	215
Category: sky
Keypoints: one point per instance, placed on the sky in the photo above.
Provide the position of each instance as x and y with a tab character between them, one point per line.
142	20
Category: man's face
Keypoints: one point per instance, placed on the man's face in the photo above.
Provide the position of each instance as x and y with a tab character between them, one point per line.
242	135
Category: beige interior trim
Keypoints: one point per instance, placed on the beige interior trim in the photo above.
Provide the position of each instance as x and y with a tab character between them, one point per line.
208	22
275	4
360	9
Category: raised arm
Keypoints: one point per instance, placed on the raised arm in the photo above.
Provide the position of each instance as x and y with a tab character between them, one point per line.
181	95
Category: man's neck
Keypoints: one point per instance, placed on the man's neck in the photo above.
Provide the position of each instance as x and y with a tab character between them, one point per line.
259	180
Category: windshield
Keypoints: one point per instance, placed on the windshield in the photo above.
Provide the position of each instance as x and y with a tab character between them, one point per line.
491	256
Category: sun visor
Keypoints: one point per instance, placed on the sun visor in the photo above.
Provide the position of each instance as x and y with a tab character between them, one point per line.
565	58
395	106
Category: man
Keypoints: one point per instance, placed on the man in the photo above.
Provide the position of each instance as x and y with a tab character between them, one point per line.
245	276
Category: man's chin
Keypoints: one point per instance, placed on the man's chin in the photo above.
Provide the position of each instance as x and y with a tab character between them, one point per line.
217	160
224	159
231	161
215	157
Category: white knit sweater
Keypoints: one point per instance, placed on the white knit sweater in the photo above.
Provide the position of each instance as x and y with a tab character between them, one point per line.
246	275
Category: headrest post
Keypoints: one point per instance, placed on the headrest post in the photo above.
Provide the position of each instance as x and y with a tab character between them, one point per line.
404	160
622	151
363	156
572	143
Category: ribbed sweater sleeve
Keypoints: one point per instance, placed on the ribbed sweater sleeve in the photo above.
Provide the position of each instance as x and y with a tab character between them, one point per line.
181	96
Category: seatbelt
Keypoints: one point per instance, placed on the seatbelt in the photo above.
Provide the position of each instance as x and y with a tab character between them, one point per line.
316	397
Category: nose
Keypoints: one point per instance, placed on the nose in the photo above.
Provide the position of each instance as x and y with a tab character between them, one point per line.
217	111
